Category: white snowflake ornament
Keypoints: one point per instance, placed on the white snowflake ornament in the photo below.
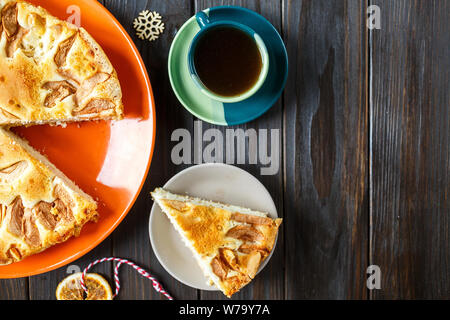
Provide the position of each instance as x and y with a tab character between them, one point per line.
148	25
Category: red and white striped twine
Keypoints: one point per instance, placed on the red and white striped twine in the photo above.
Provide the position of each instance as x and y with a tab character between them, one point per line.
156	285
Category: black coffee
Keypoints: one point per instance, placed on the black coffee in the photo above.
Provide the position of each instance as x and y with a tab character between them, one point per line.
228	61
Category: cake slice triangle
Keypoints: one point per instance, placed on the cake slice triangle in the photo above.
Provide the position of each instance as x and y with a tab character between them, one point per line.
52	71
228	242
39	205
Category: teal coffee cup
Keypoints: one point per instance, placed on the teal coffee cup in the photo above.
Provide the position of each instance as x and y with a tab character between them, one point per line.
205	28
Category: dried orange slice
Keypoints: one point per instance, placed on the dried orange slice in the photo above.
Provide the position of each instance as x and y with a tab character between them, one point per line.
97	286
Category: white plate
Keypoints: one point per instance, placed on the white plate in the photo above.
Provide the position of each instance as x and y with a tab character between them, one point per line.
212	181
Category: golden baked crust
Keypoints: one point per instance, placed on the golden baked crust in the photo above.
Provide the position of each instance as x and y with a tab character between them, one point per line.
39	206
228	242
51	71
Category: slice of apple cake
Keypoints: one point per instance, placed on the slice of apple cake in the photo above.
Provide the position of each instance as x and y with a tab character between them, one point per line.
39	205
228	242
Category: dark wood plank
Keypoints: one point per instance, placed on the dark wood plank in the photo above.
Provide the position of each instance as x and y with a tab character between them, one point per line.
326	150
269	284
14	289
410	120
131	239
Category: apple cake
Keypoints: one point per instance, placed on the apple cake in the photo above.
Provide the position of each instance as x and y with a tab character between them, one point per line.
228	242
52	71
39	205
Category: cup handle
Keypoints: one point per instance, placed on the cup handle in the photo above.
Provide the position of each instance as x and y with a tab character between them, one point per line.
202	19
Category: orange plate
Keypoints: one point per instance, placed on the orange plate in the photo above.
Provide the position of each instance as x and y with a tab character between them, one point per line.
108	160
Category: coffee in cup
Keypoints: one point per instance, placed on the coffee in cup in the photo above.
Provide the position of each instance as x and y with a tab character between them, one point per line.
227	60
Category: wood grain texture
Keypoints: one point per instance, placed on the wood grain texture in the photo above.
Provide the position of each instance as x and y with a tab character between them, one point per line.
326	150
14	289
269	284
410	120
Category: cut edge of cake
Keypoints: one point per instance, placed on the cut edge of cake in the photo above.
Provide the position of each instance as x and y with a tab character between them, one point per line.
159	194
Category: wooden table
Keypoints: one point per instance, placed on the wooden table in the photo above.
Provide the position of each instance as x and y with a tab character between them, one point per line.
364	174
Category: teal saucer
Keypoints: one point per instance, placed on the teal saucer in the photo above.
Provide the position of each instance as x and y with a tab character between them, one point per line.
216	112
